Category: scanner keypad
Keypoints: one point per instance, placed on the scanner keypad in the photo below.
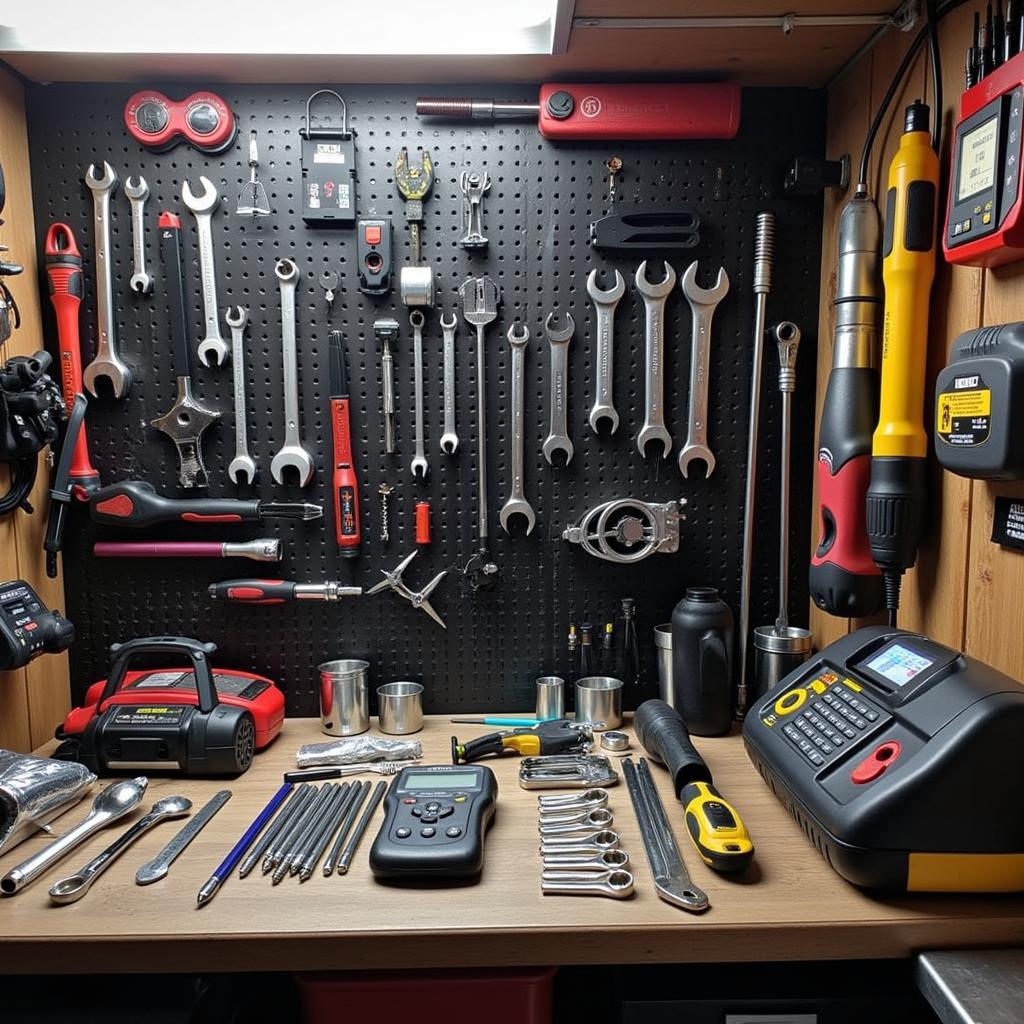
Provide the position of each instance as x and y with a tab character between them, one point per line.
832	720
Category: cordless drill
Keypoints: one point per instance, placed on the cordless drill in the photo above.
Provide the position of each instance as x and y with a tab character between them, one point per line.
897	493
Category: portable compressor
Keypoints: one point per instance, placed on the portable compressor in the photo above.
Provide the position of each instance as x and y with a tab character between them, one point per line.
199	721
901	759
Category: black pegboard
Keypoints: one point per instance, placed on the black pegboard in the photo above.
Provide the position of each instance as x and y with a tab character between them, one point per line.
543	197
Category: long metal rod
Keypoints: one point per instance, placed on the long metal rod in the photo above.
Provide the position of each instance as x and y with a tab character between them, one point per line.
279	823
272	856
337	812
296	833
359	795
311	822
764	252
328	819
353	843
786	22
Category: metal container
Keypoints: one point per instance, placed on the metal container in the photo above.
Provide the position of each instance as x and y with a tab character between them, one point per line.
599	700
550	698
776	654
400	708
663	645
344	697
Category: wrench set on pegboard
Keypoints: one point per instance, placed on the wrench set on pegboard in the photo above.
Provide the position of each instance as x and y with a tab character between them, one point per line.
503	627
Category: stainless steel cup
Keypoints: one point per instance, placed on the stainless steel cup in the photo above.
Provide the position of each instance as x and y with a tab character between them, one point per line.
400	708
344	697
663	645
550	698
599	701
776	654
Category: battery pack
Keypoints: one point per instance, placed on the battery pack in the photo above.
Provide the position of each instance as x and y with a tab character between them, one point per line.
979	399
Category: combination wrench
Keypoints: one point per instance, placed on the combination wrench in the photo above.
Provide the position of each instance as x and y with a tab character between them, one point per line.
202	208
703	303
449	439
141	282
517	503
654	296
108	362
419	460
605	302
291	455
242	469
558	432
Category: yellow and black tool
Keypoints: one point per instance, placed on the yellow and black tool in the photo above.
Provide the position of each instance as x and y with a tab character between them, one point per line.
714	825
558	736
897	494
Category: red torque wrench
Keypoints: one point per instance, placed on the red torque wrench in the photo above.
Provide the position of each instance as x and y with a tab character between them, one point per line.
607	111
203	119
64	273
346	487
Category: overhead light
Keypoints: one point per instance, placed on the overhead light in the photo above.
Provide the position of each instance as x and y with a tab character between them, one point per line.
384	27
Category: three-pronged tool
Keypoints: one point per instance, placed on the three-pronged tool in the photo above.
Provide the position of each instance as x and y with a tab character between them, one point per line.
418	599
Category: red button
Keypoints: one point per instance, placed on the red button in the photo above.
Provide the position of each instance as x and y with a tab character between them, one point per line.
372	234
875	763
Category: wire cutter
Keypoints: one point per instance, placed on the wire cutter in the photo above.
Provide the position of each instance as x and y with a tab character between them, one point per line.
418	599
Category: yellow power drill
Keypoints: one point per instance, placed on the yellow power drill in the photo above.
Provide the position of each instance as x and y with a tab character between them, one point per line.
897	494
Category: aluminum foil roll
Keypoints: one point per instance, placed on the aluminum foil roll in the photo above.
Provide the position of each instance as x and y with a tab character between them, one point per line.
356	749
34	790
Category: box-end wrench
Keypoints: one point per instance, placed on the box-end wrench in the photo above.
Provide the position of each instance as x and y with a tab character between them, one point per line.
616	884
517	503
703	302
291	455
141	283
605	302
449	439
558	432
108	362
607	861
654	296
202	208
242	469
419	460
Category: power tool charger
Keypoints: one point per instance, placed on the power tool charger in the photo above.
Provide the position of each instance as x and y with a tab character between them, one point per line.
979	401
200	722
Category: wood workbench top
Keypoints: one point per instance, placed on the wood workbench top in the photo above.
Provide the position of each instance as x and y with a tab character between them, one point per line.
788	906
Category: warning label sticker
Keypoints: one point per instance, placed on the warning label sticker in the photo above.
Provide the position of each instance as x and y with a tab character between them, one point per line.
963	416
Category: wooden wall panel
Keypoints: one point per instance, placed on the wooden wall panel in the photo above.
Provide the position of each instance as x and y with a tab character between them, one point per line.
34	699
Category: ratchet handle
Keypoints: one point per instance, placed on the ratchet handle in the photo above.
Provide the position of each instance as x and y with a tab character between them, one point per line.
346	488
135	503
254	591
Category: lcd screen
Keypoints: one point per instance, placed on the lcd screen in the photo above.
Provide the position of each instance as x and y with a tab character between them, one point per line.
977	159
899	664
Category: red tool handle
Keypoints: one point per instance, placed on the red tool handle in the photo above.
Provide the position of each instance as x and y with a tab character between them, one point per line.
67	286
254	591
135	503
651	111
158	549
346	487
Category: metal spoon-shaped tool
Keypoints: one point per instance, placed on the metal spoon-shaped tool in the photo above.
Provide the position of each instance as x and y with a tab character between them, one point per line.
74	887
110	804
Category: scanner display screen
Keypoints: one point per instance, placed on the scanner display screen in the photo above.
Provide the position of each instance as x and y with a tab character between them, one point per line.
899	664
441	780
977	159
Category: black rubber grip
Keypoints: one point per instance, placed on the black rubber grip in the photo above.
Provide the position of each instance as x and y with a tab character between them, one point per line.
919	226
663	734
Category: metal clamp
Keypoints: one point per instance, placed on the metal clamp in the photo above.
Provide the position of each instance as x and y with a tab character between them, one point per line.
627	530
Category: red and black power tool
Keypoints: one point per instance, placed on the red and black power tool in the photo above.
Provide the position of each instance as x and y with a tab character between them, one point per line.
198	721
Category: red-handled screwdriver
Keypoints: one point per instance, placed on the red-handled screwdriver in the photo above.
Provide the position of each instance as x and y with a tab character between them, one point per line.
279	591
67	285
346	487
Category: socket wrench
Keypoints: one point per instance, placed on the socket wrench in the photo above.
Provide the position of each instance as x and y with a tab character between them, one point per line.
292	454
605	302
449	439
242	469
202	208
558	432
654	296
108	362
419	461
517	503
140	282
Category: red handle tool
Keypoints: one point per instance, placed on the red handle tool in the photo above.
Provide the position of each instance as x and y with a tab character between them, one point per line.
254	591
346	487
67	285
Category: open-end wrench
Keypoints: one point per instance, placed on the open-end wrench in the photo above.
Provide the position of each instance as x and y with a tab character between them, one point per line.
108	362
616	884
242	469
654	296
517	503
703	302
202	207
449	439
137	195
291	455
604	307
558	432
419	460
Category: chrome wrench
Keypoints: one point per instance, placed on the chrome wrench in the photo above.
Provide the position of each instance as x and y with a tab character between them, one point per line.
108	362
616	884
419	460
599	819
292	454
449	439
605	302
141	282
606	839
654	296
157	868
607	861
517	503
558	432
202	208
590	799
703	303
242	469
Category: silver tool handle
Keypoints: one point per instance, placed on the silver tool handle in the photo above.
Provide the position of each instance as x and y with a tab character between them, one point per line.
518	403
481	428
105	320
207	275
290	363
388	384
138	207
157	868
605	355
238	371
654	368
449	440
419	458
700	364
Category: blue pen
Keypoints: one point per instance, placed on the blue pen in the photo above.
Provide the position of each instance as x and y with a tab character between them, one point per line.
514	723
213	883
